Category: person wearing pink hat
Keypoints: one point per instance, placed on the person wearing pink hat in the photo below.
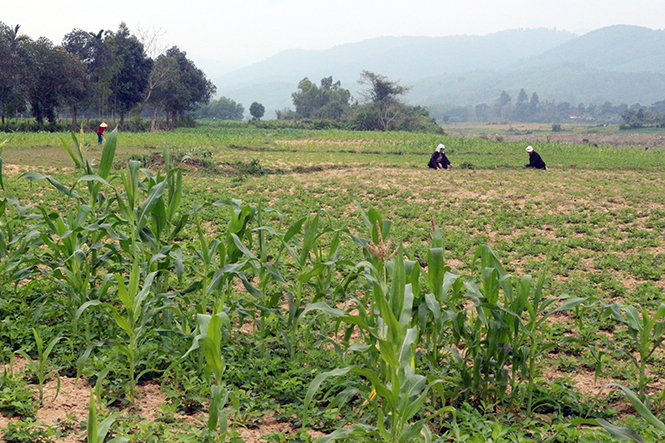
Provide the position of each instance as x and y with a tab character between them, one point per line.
535	161
100	132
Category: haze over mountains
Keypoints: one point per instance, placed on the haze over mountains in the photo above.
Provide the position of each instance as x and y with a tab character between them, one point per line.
620	64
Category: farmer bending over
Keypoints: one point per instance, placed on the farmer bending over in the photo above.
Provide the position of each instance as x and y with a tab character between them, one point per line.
439	159
534	159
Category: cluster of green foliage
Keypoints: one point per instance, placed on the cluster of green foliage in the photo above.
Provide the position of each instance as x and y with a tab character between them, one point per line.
94	74
639	117
222	108
382	108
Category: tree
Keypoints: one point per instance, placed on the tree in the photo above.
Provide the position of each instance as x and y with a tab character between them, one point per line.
330	101
55	77
383	109
12	70
257	110
132	69
533	105
183	87
522	106
95	53
481	111
382	90
224	109
383	103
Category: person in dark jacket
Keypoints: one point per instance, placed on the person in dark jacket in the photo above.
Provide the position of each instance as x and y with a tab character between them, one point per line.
534	159
439	159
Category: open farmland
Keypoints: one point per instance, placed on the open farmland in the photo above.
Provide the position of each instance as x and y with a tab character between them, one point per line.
281	285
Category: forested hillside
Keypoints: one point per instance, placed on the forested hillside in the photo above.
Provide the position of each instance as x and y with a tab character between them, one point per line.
619	64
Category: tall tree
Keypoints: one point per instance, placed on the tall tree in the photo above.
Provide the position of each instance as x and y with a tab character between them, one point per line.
522	106
12	70
383	99
131	71
186	86
534	104
95	52
54	77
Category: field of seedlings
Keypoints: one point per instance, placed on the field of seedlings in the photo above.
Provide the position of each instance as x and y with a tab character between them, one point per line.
235	284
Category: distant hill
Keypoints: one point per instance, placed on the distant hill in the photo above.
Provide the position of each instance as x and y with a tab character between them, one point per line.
401	58
620	64
619	48
569	83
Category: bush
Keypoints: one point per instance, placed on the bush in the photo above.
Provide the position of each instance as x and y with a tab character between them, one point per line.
16	398
27	432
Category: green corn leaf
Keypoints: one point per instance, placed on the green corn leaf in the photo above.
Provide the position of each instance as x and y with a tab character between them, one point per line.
90	178
640	407
570	303
108	153
388	353
435	271
398	283
104	427
92	420
242	248
175	194
76	156
619	432
315	271
311	233
433	305
146	206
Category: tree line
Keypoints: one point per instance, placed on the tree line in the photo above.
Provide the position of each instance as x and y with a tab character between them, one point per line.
530	109
98	75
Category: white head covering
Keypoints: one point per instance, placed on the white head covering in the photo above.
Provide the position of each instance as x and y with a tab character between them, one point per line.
440	148
529	149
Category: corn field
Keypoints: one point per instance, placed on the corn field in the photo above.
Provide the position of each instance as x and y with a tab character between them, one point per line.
344	308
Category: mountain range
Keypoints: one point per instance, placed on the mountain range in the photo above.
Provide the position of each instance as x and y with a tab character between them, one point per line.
620	64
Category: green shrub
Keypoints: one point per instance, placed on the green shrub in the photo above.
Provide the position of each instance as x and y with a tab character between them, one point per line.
28	432
16	397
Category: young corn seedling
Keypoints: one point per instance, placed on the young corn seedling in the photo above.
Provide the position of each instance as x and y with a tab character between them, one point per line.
213	330
646	332
138	311
41	366
97	431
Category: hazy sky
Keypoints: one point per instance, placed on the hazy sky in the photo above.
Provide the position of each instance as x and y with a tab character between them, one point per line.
233	33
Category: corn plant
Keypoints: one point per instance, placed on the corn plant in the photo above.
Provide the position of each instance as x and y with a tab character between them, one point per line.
526	334
71	256
97	431
646	331
40	367
314	266
94	178
398	392
624	433
212	334
498	338
138	310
